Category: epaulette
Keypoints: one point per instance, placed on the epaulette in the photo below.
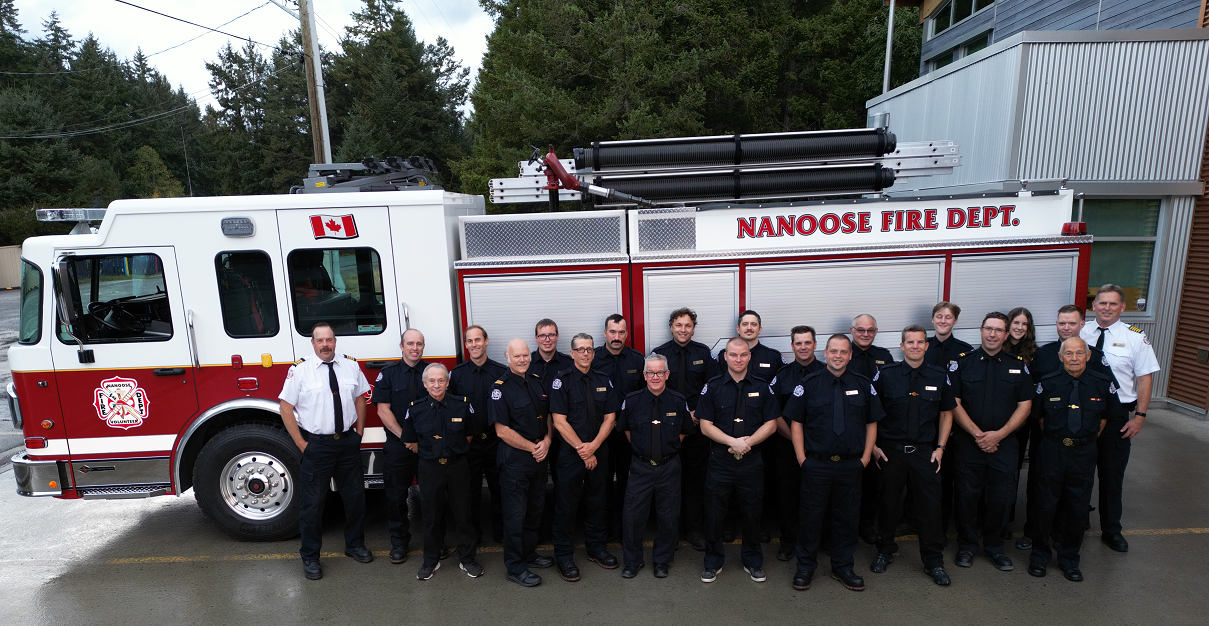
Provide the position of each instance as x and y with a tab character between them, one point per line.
350	358
465	399
1135	329
413	403
962	354
499	382
1055	373
299	361
673	392
562	373
1099	375
634	393
928	365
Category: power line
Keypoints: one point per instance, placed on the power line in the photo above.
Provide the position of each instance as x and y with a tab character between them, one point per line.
124	63
196	24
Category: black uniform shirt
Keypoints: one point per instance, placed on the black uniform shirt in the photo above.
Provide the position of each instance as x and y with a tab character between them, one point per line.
689	367
990	386
474	382
812	403
944	353
765	363
1097	401
1046	361
905	400
638	413
569	393
398	385
738	408
624	369
866	361
440	426
520	403
545	370
790	375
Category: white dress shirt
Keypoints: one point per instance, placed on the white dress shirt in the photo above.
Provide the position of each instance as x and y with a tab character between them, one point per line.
1129	354
308	388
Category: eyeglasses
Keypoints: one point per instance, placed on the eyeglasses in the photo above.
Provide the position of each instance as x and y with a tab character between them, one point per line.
654	374
548	336
581	350
993	330
865	331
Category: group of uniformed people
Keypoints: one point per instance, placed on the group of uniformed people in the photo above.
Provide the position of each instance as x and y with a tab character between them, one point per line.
699	436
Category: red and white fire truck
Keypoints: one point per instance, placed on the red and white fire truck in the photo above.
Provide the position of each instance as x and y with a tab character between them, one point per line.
153	346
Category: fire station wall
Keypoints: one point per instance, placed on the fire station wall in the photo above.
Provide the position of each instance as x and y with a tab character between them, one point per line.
827	295
712	292
1039	282
509	305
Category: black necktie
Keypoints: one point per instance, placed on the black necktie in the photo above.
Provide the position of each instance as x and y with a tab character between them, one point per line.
913	407
438	448
988	400
1074	414
737	428
590	405
1100	341
338	415
837	406
656	439
682	371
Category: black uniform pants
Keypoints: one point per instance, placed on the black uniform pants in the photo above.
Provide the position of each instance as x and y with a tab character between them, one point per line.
744	477
523	489
915	472
660	483
1065	475
481	459
574	482
829	489
399	470
789	489
619	471
1113	456
441	486
983	478
324	459
870	478
694	457
1031	480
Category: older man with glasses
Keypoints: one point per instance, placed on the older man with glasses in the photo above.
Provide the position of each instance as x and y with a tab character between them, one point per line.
866	360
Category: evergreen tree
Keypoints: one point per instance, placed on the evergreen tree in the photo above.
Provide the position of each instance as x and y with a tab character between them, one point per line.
148	177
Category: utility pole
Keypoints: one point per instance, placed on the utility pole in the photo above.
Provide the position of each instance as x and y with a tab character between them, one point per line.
889	48
320	137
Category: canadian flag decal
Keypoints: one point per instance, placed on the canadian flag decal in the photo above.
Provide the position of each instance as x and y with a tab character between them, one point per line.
334	226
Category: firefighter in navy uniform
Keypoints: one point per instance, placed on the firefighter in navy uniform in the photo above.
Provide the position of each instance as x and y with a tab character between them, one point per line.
1047	361
918	401
623	365
546	360
439	428
655	420
518	410
473	378
323	409
833	415
943	351
737	411
397	386
994	391
866	359
789	471
1076	403
689	365
583	408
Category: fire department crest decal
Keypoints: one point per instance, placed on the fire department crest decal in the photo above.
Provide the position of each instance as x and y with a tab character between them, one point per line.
121	402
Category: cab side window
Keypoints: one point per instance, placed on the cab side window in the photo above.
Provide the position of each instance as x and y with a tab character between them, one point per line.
245	294
118	299
342	287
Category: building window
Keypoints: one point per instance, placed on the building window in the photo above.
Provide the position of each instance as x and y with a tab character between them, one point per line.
976	44
1125	238
245	293
956	11
342	287
944	59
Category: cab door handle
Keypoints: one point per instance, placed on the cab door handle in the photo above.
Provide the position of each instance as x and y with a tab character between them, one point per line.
169	371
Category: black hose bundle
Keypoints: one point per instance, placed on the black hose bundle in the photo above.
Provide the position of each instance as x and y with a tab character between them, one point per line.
761	183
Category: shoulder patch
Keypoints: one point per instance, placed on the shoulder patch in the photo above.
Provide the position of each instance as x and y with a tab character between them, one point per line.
953	366
798	391
774	381
1112	387
1039	390
1025	367
557	384
872	390
496	394
623	405
379	378
407	415
470	406
876	375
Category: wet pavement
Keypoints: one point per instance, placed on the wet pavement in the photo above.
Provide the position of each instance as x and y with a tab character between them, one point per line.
160	561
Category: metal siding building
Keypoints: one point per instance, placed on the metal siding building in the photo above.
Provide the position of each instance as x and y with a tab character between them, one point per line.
1121	114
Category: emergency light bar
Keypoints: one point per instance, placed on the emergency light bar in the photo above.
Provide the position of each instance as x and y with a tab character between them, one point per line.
70	215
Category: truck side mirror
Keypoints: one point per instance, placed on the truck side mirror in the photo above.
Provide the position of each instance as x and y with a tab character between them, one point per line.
67	307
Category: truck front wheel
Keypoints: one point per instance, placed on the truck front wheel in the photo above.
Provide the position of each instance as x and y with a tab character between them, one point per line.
244	481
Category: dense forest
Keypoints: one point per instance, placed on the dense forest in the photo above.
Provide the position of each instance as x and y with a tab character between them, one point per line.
81	127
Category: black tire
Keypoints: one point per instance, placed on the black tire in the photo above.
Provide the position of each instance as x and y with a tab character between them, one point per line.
244	461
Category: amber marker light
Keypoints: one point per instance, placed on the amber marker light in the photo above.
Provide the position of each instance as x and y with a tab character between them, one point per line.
47	424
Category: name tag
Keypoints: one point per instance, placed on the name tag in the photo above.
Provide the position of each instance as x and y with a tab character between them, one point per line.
1013	371
631	371
698	362
455	419
672	414
1118	345
929	388
853	392
602	389
754	394
765	365
880	362
1055	399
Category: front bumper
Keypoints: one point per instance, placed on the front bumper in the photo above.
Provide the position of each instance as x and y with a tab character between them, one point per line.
38	478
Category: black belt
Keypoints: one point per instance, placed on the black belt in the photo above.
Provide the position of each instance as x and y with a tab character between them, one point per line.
666	459
833	458
906	448
336	437
442	460
1069	441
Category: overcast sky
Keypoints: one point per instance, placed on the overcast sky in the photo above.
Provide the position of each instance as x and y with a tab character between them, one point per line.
124	29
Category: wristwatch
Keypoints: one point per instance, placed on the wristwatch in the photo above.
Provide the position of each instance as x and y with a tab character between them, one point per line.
1139	413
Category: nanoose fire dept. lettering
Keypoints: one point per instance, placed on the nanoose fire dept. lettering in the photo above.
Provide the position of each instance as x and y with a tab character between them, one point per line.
890	221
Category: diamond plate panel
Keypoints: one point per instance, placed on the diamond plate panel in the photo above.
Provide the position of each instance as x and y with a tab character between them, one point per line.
670	233
588	235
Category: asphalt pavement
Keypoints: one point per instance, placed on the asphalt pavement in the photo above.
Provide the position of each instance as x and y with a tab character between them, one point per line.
10	310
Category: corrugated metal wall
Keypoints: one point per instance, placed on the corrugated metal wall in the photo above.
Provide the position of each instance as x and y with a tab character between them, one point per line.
1115	111
1166	291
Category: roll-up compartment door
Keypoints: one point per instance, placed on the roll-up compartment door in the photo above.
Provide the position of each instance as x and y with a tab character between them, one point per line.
827	295
509	306
1040	282
712	292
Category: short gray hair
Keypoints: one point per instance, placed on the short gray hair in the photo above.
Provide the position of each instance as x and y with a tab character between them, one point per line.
864	315
435	366
583	336
655	357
